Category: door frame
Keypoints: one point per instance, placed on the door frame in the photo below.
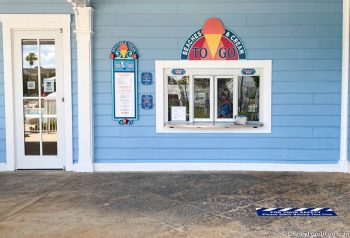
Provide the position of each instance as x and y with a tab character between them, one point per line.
35	22
40	161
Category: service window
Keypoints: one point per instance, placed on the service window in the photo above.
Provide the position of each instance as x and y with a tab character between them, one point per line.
213	96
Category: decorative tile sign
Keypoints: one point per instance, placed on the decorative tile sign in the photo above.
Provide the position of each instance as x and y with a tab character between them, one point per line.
147	102
146	78
213	42
124	82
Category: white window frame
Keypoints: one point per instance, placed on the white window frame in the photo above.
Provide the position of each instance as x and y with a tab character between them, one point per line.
264	104
35	22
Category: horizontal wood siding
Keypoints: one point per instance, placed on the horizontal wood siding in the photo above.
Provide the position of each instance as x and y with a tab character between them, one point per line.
303	38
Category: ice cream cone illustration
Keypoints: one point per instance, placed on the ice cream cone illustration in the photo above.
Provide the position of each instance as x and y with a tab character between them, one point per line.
213	30
123	50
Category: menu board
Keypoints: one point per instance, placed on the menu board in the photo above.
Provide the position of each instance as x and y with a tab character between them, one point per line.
124	99
124	82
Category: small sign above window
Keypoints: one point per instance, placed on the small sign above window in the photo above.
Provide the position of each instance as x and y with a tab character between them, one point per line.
178	71
248	71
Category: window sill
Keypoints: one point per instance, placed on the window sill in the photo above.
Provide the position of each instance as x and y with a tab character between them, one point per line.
203	125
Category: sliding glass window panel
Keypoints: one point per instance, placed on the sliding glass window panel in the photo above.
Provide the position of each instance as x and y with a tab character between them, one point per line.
178	98
248	97
202	98
224	97
30	60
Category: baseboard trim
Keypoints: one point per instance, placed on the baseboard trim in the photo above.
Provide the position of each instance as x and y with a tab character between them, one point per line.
3	167
83	168
173	167
163	167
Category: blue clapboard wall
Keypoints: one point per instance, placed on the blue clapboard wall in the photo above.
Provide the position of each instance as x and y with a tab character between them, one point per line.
302	37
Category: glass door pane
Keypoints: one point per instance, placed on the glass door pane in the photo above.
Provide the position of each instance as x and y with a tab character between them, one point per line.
31	126
30	68
39	96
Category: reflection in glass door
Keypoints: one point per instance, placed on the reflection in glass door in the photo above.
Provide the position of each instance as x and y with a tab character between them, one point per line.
39	96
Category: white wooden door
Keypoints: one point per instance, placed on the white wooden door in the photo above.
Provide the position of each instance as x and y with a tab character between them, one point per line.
38	96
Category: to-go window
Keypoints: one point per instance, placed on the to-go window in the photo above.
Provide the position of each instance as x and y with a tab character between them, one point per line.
213	96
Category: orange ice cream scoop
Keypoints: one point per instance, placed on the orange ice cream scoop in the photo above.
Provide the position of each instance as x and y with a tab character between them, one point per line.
123	49
212	31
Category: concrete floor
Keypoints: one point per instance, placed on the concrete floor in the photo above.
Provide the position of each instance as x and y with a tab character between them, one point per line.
62	204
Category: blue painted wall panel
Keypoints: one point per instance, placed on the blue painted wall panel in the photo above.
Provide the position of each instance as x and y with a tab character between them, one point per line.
303	38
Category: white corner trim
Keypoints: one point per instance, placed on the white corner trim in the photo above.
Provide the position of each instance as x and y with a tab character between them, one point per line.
265	89
344	87
167	167
83	17
10	23
8	96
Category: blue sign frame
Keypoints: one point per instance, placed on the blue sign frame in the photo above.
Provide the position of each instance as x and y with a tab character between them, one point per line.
124	62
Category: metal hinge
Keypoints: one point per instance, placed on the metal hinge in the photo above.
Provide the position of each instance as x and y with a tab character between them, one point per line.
62	99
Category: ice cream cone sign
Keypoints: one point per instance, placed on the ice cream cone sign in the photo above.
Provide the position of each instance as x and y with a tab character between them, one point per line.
213	42
123	50
213	30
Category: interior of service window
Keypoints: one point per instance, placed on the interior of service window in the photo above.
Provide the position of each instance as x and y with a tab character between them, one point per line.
211	98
